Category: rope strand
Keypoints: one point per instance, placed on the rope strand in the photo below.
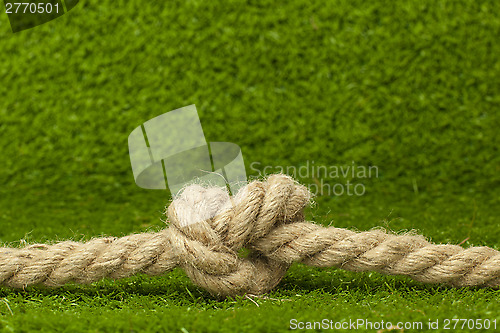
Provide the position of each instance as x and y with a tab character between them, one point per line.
264	217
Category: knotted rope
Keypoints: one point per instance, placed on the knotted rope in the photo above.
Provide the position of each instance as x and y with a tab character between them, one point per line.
267	219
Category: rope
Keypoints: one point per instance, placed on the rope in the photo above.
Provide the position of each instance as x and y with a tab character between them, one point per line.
267	219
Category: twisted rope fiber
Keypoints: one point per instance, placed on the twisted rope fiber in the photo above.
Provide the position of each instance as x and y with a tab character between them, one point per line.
264	217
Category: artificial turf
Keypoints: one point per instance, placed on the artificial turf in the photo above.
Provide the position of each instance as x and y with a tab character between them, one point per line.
412	87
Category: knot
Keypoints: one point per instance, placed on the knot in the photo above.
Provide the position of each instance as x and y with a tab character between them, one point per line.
209	230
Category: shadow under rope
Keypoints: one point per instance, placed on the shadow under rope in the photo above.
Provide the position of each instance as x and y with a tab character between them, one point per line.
298	282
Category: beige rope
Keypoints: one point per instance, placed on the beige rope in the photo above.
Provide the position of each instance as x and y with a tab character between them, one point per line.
267	219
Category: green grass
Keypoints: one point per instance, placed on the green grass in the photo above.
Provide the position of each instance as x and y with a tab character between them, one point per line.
411	87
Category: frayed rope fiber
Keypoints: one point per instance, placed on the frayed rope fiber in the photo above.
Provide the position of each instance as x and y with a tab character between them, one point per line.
208	228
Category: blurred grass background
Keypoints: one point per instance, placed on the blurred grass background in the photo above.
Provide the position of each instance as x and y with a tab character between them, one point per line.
412	87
